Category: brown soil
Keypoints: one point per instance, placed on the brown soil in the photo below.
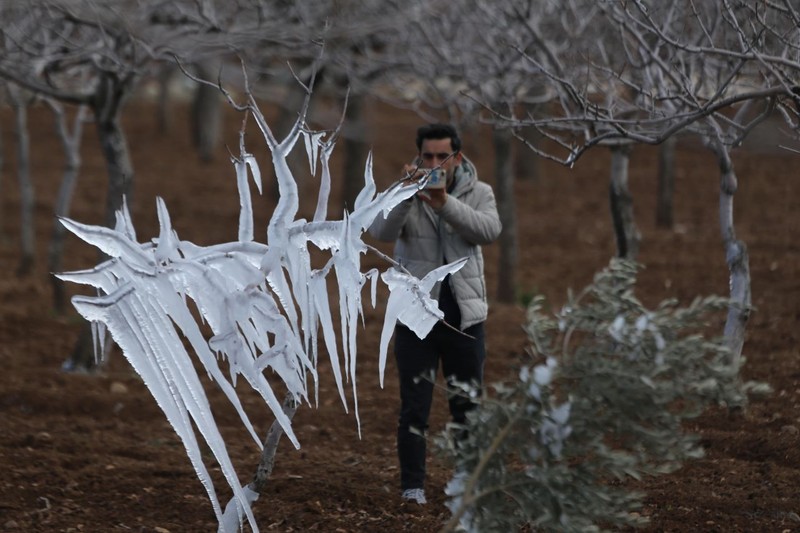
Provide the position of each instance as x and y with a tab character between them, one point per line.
94	453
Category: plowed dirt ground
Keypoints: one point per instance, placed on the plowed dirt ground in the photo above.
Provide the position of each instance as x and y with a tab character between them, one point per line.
94	453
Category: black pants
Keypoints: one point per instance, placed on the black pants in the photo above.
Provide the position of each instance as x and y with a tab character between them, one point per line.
462	361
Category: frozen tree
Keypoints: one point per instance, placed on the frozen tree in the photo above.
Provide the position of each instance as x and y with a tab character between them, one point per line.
265	304
603	399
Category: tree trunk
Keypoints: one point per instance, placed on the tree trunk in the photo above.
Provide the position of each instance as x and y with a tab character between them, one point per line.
527	162
271	441
26	192
628	236
736	256
666	183
264	469
163	115
2	171
71	141
116	154
507	265
355	151
106	108
206	114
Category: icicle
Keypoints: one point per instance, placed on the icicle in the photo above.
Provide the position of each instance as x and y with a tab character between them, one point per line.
110	242
410	304
321	213
245	202
167	248
234	512
254	170
124	223
312	142
368	192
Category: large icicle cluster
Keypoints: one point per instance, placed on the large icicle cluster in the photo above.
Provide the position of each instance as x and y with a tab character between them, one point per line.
264	303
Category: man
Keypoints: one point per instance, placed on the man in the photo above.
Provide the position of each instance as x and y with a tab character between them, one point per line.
435	227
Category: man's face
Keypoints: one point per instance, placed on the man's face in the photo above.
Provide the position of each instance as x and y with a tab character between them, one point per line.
434	152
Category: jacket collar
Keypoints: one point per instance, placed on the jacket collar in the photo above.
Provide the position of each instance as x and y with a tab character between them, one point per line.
466	175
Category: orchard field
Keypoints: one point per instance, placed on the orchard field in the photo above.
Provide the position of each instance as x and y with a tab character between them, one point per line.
94	453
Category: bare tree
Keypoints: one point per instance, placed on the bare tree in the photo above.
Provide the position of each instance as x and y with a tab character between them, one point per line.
647	70
79	60
52	51
355	149
2	168
93	54
20	100
206	110
449	57
355	34
506	281
71	137
666	182
628	236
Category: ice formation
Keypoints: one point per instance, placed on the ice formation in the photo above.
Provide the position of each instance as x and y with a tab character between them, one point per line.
264	303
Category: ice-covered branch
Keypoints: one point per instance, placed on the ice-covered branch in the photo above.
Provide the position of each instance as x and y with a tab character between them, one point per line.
263	302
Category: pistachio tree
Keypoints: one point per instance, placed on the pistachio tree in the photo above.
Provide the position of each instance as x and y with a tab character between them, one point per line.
447	57
82	53
649	70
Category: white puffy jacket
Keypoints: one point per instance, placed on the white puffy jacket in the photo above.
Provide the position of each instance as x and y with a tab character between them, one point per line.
427	239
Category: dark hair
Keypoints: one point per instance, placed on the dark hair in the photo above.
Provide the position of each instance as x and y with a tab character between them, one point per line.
439	131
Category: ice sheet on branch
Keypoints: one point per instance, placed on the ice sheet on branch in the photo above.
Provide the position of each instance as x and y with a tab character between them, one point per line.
264	304
410	303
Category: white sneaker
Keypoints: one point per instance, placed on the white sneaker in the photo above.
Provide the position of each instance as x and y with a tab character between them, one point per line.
415	495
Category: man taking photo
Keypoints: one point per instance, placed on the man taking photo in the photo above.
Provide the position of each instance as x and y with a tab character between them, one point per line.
449	219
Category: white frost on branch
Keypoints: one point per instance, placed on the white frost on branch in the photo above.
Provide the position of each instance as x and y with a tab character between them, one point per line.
263	303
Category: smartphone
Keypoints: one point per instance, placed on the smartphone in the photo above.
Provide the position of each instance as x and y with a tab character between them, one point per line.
437	179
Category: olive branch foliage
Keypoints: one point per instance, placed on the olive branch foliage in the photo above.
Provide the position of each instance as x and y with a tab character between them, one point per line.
604	401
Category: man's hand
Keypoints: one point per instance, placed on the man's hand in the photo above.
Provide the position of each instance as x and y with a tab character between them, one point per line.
436	198
411	172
